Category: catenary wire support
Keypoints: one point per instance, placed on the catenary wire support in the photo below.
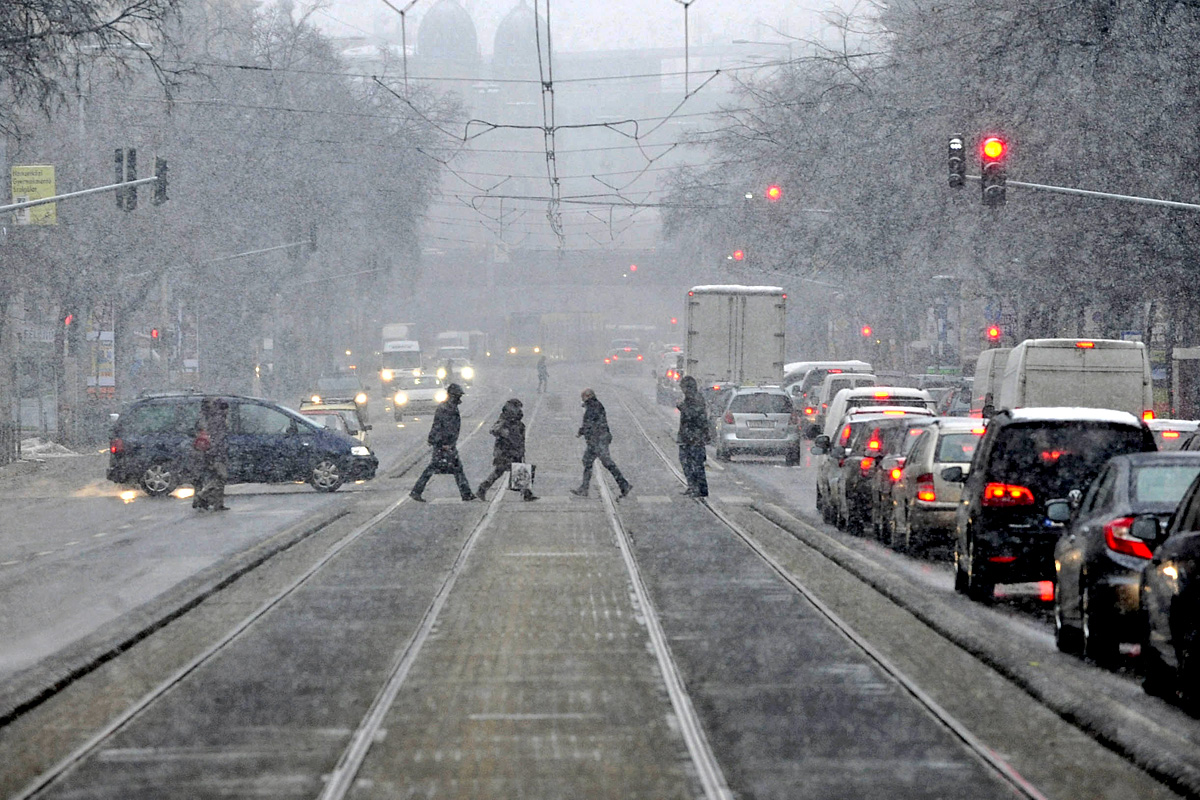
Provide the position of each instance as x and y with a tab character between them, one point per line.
687	4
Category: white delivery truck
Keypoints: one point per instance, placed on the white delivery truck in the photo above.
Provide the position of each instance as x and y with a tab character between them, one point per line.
1087	373
400	351
735	334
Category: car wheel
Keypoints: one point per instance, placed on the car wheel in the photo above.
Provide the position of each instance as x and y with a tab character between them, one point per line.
326	475
159	479
1158	680
1067	637
1098	642
978	587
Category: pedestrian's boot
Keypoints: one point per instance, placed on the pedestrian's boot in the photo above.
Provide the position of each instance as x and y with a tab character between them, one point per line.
416	496
626	488
582	491
481	492
528	495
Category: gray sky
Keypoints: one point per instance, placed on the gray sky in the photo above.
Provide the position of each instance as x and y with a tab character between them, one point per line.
602	24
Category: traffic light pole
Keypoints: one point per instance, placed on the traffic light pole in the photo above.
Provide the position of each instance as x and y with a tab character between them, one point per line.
81	193
1149	201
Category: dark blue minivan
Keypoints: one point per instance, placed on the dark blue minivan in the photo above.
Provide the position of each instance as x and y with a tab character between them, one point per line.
151	446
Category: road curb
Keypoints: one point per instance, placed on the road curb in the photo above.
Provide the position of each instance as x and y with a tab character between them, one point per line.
32	687
1134	737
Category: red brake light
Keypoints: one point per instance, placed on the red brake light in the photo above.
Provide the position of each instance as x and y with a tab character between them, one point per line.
1119	540
925	490
882	394
1050	456
1170	434
894	413
728	417
1085	345
866	464
608	361
834	372
1147	415
874	444
809	411
628	349
978	431
639	357
845	434
116	446
895	474
1006	495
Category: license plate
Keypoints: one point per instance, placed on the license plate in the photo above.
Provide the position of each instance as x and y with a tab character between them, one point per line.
760	423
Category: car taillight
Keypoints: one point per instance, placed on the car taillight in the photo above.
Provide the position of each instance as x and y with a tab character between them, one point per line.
925	490
865	464
116	446
845	435
809	411
639	358
1117	537
1147	415
1006	495
895	474
875	445
1170	434
728	417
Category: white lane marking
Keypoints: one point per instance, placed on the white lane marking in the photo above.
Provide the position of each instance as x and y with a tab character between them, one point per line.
530	717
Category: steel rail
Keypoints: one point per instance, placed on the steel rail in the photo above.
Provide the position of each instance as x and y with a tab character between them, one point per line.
1005	771
708	768
341	779
62	767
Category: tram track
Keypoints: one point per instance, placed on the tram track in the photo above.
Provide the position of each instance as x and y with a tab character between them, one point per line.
97	739
992	760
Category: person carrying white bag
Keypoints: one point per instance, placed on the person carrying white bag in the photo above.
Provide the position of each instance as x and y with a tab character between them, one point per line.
509	431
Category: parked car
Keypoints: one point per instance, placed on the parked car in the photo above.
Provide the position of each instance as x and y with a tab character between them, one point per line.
151	446
1169	598
837	458
1098	560
1172	434
1026	458
759	420
922	504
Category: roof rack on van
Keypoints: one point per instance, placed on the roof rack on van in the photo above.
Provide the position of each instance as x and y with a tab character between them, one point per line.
167	392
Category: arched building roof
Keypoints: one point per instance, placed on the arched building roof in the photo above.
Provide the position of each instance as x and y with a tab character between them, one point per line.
514	52
447	33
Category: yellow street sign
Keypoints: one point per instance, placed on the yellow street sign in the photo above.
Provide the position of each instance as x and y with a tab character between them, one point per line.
34	183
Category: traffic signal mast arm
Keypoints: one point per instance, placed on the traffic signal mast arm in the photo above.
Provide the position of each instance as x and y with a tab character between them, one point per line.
1104	195
110	188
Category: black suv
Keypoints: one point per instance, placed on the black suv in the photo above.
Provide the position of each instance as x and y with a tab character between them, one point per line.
151	446
1027	457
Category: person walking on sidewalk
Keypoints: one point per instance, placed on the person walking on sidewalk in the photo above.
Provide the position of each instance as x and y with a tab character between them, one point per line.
443	437
509	431
693	436
543	373
594	431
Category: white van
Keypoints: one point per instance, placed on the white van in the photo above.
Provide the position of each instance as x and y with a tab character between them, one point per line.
833	384
1088	373
848	399
989	372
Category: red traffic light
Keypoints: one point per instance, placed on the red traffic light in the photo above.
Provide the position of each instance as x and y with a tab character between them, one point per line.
774	192
68	320
993	333
739	255
674	320
866	330
993	148
154	334
633	267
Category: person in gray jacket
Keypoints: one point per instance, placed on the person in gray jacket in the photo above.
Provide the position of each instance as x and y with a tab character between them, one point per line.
595	432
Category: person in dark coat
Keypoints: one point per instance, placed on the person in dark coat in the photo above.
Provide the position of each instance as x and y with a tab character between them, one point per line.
213	430
543	374
509	431
443	437
594	431
693	436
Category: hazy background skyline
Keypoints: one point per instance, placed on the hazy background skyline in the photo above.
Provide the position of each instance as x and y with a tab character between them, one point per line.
583	25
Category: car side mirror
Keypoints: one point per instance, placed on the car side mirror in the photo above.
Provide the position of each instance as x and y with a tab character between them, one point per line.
1148	529
954	475
820	446
1059	511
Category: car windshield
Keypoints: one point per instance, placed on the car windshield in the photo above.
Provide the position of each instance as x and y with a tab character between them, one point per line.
957	448
760	403
1162	484
1061	456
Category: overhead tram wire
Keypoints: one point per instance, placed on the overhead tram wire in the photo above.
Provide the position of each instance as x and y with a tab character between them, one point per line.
546	73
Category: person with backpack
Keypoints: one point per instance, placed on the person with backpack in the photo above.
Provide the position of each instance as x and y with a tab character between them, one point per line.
509	431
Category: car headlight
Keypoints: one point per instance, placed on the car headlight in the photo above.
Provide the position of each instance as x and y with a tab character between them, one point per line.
360	450
417	372
537	349
468	373
512	351
401	398
386	375
360	398
316	398
440	396
441	373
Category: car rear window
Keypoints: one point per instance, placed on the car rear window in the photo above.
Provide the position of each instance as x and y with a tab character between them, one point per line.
1163	484
149	418
871	400
1056	457
761	403
957	448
